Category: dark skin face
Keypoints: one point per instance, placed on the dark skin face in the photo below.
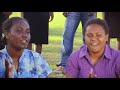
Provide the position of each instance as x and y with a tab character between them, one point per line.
19	35
95	38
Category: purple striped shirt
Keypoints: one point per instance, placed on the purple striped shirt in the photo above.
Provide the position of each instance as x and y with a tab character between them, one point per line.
79	64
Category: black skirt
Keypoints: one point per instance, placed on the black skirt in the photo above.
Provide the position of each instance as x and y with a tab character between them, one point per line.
113	20
38	22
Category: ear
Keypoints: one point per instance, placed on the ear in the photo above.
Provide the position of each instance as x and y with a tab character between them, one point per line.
5	32
107	36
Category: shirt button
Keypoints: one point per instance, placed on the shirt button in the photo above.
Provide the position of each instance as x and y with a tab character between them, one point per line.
18	73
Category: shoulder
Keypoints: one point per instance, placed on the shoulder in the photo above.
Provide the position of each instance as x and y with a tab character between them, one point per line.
115	55
34	55
2	54
75	56
79	52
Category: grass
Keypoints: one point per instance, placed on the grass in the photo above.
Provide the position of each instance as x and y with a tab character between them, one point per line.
52	51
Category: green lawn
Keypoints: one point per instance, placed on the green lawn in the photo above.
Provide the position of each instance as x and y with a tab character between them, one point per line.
52	51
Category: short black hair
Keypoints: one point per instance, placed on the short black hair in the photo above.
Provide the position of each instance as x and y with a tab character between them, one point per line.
7	24
98	21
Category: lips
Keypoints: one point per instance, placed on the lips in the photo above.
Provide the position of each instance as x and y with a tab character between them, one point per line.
24	41
94	44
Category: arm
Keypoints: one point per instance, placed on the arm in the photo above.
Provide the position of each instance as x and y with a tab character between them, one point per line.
51	16
7	14
117	67
43	68
119	76
65	14
72	67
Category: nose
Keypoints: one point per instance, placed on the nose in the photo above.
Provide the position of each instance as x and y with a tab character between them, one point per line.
25	35
93	38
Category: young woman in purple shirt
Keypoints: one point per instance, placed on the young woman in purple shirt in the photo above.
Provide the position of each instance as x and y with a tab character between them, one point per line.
96	59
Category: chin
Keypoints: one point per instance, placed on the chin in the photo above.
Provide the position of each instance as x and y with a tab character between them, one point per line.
22	47
94	51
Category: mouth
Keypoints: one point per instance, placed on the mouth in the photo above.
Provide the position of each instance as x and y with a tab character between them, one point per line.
24	41
94	44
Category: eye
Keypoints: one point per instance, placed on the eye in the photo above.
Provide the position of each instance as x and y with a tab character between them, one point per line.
19	30
28	31
89	35
99	35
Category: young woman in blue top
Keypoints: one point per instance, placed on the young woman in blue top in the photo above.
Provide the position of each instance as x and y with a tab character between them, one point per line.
15	60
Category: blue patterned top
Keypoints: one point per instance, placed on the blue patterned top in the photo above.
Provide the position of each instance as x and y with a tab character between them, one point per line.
31	65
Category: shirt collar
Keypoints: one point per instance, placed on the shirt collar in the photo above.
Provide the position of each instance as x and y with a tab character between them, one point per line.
84	52
6	55
107	53
4	51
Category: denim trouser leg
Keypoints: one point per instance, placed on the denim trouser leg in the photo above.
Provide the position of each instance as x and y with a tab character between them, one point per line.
72	22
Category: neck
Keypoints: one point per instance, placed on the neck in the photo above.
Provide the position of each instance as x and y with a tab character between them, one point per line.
96	56
14	53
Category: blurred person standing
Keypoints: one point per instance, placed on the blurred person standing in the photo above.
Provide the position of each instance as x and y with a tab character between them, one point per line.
113	20
39	24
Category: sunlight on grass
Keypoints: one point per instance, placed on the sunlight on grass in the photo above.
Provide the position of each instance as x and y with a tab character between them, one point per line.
16	14
58	21
99	15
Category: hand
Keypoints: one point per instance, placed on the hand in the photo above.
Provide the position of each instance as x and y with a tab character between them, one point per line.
7	14
91	74
9	69
51	16
90	13
65	14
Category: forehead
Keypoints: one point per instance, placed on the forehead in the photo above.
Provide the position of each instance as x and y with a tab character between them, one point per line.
93	28
20	23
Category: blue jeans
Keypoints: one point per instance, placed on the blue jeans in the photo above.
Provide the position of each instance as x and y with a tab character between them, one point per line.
72	21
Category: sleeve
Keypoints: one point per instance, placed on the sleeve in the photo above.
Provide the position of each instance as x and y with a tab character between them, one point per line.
2	66
43	68
72	68
2	70
117	69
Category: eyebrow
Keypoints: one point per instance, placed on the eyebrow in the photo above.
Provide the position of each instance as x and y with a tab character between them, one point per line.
22	28
95	33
